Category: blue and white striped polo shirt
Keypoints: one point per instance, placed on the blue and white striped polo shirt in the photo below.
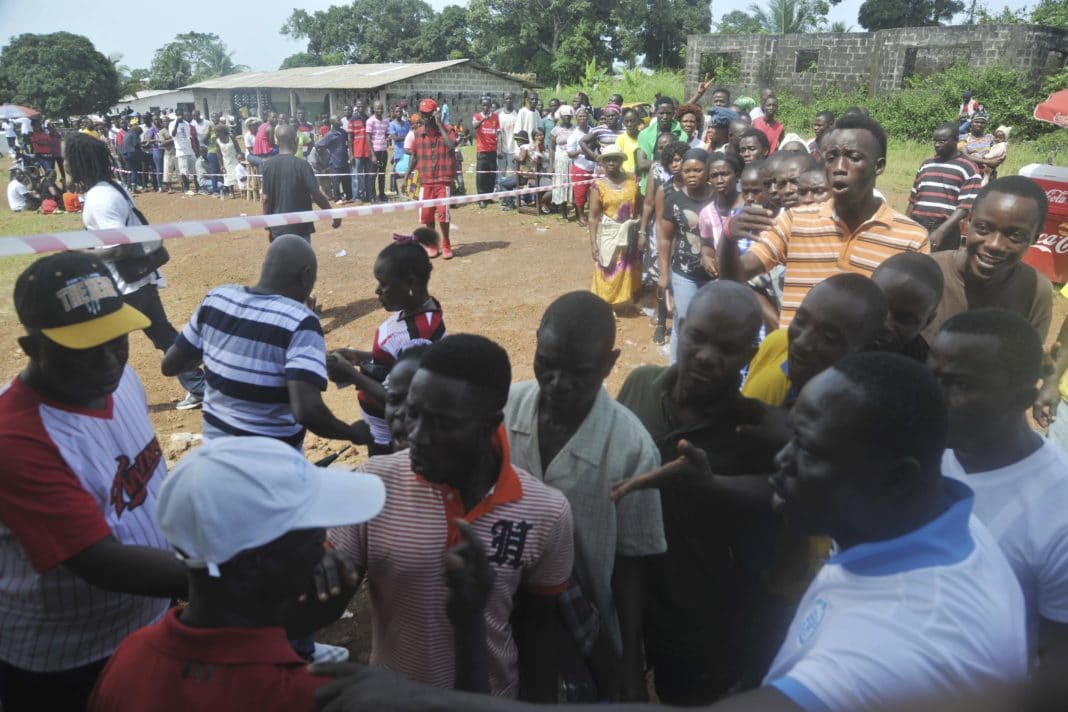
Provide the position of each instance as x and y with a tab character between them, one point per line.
251	345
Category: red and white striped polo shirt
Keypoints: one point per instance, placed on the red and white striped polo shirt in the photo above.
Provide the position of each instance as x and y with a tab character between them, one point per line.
526	528
69	478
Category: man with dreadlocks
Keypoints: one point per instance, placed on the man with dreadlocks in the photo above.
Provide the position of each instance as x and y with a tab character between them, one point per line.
108	205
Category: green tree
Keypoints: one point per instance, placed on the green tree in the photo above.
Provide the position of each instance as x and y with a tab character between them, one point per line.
658	29
784	17
556	46
191	57
885	14
59	74
777	17
739	22
131	81
307	59
1051	12
444	36
1007	16
365	32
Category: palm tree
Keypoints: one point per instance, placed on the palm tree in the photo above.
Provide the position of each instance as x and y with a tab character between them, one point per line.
840	27
782	17
217	62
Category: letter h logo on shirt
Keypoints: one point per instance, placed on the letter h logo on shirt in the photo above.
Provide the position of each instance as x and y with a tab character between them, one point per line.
509	539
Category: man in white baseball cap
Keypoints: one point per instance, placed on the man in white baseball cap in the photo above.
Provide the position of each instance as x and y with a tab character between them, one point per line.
248	516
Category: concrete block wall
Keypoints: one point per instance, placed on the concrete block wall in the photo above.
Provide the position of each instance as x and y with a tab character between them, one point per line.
880	60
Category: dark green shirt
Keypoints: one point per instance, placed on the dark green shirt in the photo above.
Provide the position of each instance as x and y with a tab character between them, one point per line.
701	589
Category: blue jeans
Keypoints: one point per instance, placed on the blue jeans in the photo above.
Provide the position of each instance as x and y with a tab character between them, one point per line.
683	290
133	164
215	169
256	161
160	332
363	179
157	161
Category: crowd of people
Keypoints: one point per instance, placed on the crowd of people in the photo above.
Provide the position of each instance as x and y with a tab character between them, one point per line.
832	498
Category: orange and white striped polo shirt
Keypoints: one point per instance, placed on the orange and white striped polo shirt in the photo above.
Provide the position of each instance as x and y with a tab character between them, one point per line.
527	530
814	244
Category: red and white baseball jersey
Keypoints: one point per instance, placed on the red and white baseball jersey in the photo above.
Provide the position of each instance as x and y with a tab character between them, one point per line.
526	528
69	478
393	335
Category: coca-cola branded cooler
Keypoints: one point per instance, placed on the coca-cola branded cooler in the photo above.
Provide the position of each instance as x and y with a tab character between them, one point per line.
1049	255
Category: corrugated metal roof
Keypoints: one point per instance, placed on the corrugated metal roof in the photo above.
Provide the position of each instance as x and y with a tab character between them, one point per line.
342	76
149	93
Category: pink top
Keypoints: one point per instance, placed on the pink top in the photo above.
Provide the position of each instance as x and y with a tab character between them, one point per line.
377	130
262	144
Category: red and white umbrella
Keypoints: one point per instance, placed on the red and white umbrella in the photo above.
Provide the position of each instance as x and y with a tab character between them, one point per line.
1054	110
14	111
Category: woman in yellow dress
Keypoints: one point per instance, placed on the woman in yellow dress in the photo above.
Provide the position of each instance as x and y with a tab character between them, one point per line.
617	269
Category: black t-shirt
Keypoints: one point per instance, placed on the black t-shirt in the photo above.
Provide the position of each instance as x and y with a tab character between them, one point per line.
684	211
290	183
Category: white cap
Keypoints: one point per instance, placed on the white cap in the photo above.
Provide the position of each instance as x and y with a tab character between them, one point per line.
238	493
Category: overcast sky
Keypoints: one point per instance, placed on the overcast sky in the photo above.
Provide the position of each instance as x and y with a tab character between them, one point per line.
249	29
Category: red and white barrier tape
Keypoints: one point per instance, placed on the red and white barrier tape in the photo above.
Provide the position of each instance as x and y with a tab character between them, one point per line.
82	239
328	175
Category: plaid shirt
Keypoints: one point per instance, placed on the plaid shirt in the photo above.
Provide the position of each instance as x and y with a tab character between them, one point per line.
436	161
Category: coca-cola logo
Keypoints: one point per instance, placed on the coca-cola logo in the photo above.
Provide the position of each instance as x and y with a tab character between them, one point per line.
1055	242
1057	196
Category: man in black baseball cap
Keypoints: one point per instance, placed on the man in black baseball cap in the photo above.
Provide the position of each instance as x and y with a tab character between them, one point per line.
71	298
80	469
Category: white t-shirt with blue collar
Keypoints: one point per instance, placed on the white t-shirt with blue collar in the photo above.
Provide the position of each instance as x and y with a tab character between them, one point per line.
935	613
1023	506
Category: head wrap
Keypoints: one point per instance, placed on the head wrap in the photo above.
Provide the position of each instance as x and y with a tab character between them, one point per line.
745	103
613	107
695	154
981	114
721	116
565	110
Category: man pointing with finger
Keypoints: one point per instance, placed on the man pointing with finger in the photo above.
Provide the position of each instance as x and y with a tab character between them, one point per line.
853	232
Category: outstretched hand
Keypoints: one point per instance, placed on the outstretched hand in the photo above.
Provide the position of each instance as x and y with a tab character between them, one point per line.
750	221
1044	410
334	581
690	469
339	369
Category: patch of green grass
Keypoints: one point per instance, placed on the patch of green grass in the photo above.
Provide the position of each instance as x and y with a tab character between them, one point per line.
27	223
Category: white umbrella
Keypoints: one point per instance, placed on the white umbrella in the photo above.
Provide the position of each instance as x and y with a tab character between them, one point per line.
14	111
